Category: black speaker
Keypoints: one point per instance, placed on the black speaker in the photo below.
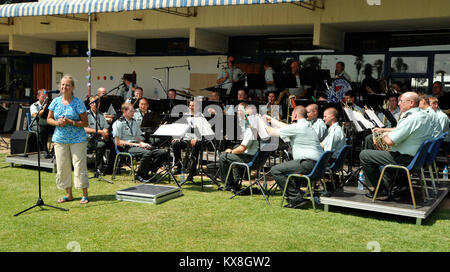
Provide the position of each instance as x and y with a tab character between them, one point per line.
10	123
19	139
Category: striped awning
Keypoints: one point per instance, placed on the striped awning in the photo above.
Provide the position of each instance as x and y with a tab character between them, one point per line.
67	7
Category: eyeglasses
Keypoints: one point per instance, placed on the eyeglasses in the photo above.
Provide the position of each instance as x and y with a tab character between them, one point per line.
400	101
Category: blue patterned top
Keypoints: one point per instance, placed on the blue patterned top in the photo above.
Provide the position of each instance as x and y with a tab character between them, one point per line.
68	134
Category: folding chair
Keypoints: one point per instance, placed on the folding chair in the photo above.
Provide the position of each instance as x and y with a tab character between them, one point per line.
316	174
117	161
430	162
257	162
415	166
338	165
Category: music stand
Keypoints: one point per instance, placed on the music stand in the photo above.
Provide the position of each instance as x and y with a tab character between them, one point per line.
40	201
176	130
284	81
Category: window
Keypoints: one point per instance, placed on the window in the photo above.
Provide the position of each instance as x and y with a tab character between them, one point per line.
411	65
442	69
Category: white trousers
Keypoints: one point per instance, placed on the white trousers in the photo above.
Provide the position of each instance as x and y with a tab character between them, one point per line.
66	156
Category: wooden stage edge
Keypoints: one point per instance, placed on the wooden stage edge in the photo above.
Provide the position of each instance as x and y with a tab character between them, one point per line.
352	198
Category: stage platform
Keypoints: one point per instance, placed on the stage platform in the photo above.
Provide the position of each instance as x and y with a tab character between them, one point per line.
351	197
32	160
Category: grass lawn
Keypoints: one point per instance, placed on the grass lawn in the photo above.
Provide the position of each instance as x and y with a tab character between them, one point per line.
197	221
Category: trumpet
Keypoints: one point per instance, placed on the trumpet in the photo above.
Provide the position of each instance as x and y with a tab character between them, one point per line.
378	140
292	100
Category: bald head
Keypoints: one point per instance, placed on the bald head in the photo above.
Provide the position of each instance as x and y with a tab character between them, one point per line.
101	91
330	116
312	112
408	101
298	113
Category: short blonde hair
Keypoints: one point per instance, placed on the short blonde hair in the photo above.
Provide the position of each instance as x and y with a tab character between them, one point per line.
126	106
70	78
433	99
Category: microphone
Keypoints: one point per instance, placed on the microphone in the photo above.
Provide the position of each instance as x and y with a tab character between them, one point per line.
246	84
189	65
155	78
218	59
52	92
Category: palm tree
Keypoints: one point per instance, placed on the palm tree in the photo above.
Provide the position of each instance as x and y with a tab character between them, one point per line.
358	63
400	65
379	66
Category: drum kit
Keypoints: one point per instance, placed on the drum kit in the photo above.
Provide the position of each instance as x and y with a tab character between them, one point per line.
190	93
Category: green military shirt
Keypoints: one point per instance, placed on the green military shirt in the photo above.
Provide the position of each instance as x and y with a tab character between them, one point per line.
319	127
139	116
250	141
102	124
411	131
304	140
444	123
127	130
434	125
334	140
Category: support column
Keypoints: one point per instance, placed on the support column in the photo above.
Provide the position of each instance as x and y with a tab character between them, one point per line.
207	40
327	36
31	45
113	43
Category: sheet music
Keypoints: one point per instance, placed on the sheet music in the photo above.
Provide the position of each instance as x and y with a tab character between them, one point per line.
360	118
353	119
257	121
374	118
176	130
202	126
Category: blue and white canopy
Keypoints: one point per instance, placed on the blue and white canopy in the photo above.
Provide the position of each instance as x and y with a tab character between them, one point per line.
66	7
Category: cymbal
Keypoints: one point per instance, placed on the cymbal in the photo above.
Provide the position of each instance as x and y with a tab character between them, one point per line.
200	93
183	93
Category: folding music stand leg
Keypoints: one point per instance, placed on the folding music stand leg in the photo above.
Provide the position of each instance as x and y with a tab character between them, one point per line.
257	183
201	171
168	169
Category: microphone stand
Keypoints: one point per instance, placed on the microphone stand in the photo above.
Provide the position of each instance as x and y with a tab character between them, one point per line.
162	86
168	72
40	202
96	173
